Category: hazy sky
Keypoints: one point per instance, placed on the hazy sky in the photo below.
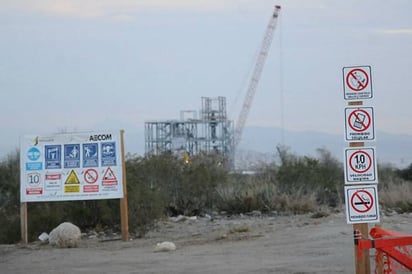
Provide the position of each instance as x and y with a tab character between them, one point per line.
104	64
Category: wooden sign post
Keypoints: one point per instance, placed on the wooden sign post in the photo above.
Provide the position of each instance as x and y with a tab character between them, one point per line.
362	263
360	172
124	212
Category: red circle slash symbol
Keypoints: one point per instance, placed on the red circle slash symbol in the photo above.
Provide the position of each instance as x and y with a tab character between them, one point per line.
91	176
359	120
357	79
361	201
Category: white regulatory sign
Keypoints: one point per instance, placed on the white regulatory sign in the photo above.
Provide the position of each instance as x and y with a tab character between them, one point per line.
360	165
357	83
362	204
359	124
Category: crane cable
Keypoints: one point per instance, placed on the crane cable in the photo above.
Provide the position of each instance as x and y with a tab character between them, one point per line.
281	94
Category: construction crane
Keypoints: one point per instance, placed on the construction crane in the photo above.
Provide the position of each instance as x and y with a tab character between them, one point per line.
260	62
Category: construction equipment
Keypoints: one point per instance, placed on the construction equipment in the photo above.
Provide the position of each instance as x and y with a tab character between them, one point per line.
260	62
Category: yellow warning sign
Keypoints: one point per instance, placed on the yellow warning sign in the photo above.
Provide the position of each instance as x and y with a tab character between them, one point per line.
72	179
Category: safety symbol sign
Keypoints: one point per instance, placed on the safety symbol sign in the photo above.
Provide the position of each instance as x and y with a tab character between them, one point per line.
90	155
52	155
91	176
360	165
362	204
359	124
357	83
72	183
72	156
108	151
33	154
34	184
34	179
109	178
72	178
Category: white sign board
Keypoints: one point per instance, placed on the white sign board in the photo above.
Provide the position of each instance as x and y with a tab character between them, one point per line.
357	83
359	124
362	204
71	166
360	165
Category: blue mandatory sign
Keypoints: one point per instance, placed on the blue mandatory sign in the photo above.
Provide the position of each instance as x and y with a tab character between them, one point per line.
90	155
33	154
108	151
72	156
53	156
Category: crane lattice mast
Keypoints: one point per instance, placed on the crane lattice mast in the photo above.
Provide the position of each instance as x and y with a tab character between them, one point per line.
260	62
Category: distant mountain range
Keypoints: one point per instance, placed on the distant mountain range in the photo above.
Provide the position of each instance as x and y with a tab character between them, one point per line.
395	149
259	144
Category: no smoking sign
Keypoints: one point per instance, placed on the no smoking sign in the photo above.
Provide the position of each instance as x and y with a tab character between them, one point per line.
359	124
362	204
357	83
360	165
91	176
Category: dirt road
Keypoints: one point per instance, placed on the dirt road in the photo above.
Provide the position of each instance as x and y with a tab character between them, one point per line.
240	244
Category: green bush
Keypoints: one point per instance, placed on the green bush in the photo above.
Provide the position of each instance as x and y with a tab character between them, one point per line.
166	184
10	199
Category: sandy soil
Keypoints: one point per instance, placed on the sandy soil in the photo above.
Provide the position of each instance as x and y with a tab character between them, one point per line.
236	244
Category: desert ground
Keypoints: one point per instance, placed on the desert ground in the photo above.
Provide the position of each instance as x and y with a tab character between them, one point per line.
250	243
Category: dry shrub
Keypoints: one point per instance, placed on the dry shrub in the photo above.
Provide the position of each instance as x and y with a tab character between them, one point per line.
264	197
397	197
296	203
239	198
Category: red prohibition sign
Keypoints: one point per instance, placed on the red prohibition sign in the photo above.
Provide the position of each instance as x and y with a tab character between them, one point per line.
362	161
90	176
361	201
357	79
361	120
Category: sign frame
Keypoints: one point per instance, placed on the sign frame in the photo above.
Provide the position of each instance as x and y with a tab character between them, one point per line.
359	124
69	156
360	165
357	82
362	205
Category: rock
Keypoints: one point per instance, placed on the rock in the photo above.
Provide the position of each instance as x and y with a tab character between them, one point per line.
44	238
178	219
65	235
165	247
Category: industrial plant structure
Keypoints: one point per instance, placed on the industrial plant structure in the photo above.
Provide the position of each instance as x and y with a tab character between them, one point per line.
211	132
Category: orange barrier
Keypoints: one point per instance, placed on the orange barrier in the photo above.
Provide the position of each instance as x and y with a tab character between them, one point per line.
391	249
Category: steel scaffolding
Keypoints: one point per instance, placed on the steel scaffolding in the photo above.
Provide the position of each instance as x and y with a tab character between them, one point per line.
212	132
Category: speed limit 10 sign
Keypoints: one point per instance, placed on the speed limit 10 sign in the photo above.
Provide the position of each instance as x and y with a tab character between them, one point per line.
360	165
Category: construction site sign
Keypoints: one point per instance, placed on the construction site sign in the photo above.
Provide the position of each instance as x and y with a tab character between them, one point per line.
359	124
71	166
360	165
357	83
362	204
